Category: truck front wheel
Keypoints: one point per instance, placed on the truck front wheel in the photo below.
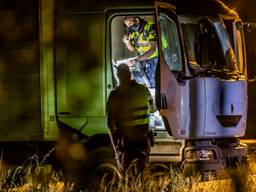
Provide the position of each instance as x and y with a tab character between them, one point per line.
100	169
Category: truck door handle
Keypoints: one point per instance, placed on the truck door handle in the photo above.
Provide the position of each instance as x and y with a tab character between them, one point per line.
163	101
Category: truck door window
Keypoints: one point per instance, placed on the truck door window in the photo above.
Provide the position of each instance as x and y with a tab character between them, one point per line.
170	43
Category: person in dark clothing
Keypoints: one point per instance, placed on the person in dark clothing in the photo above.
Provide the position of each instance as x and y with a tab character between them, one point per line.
128	120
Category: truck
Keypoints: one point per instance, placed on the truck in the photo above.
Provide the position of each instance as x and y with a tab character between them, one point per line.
58	62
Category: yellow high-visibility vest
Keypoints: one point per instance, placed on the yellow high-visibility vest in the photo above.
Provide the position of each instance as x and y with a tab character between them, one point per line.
140	39
133	106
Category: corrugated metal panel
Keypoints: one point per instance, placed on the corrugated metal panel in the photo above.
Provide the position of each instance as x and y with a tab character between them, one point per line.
19	71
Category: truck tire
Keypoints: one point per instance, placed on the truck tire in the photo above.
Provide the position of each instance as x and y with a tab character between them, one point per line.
100	169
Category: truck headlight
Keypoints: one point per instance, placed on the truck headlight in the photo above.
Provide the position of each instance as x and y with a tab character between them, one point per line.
202	154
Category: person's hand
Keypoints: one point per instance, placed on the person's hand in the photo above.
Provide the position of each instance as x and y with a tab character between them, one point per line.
131	63
126	39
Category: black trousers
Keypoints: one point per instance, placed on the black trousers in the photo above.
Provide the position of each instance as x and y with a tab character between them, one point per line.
134	154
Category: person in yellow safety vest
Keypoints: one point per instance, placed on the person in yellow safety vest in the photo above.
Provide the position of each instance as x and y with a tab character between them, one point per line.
142	37
128	120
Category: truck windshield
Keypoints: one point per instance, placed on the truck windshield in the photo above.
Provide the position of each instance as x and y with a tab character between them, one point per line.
208	47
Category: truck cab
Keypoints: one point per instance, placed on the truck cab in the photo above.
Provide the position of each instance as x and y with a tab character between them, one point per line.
201	79
201	91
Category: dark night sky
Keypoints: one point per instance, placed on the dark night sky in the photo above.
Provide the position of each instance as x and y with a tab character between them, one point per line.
246	8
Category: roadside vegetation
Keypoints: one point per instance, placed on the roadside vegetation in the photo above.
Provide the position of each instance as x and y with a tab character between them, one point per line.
36	176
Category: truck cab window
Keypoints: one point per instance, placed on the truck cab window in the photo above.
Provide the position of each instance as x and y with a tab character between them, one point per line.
235	33
225	45
170	43
239	49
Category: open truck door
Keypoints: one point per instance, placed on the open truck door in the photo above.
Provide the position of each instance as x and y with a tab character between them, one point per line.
169	91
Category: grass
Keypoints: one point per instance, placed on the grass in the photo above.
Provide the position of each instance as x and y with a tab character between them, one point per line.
32	176
36	176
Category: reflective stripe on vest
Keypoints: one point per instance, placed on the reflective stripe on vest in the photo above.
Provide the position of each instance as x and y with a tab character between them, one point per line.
141	39
134	107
